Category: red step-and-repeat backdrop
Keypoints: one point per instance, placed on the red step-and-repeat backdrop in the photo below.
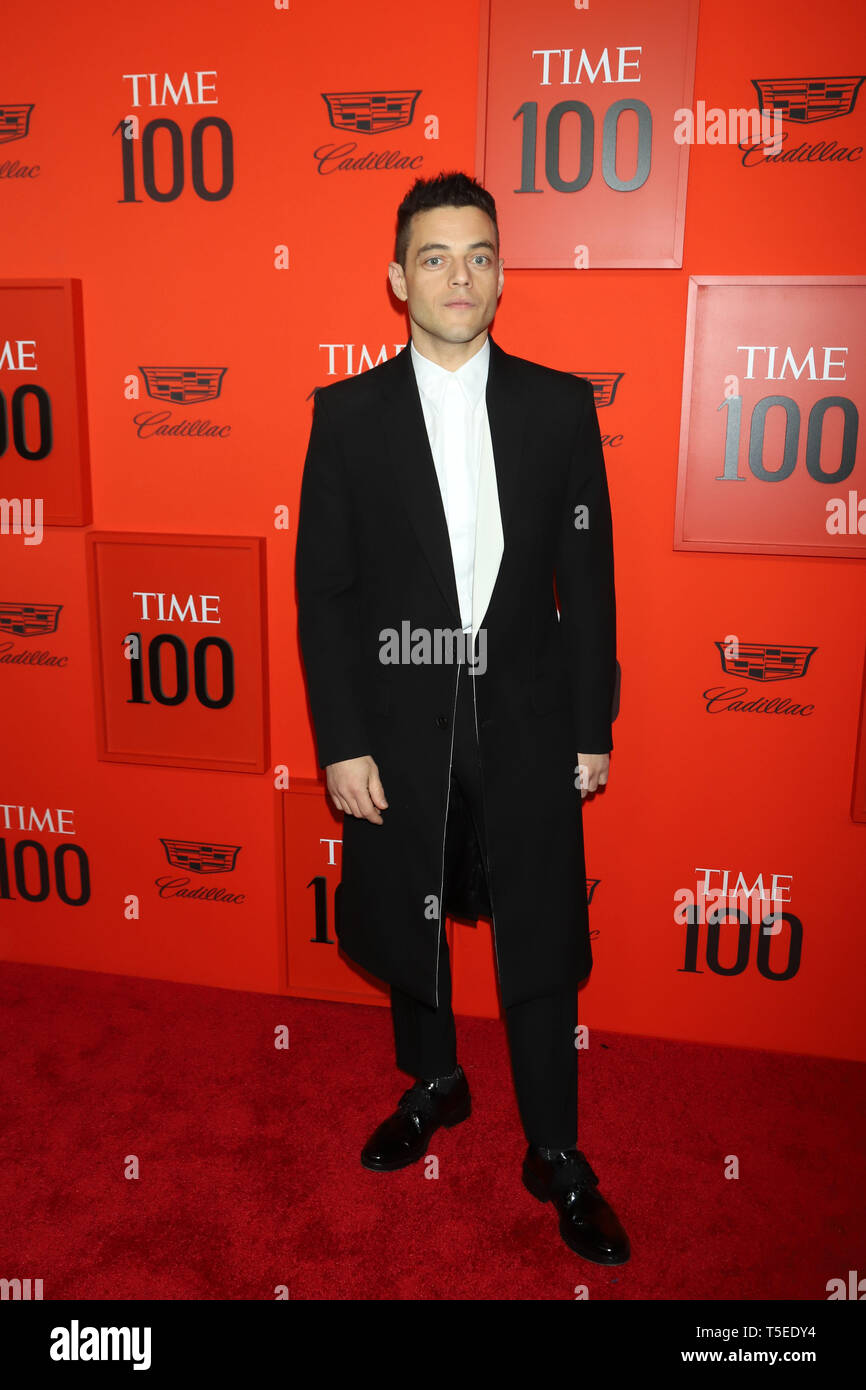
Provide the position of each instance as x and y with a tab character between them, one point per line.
198	209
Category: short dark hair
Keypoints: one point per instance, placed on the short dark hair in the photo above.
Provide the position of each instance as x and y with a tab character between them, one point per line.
451	190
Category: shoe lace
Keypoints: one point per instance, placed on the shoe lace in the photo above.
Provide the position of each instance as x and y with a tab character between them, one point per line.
420	1099
573	1169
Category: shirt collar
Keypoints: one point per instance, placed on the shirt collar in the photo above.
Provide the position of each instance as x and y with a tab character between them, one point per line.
472	376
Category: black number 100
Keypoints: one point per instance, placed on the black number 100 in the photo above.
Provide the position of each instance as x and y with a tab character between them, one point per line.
552	133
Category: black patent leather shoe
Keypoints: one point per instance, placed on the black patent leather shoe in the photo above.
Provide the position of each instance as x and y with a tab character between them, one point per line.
402	1138
587	1224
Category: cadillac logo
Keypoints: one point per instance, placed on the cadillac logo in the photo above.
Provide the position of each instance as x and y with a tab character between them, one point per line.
14	121
199	857
370	113
183	385
604	385
759	661
808	99
28	619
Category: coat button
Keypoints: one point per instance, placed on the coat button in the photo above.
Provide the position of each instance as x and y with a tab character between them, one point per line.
442	721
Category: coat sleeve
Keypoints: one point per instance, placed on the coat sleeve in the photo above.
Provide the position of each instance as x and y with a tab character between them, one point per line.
326	573
585	584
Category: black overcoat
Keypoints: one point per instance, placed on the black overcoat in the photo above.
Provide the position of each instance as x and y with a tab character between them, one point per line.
373	552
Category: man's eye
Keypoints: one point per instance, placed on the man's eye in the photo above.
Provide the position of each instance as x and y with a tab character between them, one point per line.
485	260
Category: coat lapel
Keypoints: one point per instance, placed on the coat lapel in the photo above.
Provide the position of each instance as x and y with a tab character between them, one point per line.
408	455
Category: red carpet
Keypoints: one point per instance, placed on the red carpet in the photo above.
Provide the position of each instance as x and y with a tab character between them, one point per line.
249	1172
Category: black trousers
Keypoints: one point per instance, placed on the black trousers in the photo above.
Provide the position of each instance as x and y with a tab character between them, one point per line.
541	1032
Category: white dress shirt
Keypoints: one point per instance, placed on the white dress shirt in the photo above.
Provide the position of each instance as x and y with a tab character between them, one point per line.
455	413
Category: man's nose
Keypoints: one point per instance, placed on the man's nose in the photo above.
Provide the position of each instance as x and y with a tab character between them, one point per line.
460	274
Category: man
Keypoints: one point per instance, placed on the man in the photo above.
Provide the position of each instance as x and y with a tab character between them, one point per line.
443	493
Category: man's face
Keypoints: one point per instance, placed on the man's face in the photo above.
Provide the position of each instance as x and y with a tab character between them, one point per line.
453	277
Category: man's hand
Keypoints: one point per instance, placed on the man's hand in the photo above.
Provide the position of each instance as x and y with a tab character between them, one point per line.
355	788
592	770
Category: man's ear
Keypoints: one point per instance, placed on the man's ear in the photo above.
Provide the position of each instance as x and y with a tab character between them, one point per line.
398	280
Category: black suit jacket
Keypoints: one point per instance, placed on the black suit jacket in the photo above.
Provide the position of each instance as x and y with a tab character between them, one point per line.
374	551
